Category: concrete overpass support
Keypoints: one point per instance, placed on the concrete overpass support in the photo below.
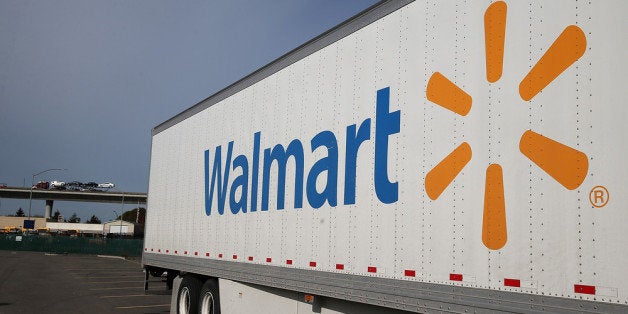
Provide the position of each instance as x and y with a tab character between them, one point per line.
49	204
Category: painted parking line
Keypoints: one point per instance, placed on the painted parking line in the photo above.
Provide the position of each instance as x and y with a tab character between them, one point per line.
119	281
141	306
126	296
111	256
116	288
95	268
105	271
112	277
103	274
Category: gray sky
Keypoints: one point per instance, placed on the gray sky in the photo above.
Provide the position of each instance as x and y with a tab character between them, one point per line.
82	83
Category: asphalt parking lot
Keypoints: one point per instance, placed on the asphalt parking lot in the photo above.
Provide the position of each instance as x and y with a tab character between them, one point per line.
35	282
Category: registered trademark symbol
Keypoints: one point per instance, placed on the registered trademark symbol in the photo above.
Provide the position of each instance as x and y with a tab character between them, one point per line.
599	196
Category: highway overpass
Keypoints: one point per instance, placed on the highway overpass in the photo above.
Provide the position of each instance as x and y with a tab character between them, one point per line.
74	196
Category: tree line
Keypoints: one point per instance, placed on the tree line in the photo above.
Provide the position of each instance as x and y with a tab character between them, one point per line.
136	215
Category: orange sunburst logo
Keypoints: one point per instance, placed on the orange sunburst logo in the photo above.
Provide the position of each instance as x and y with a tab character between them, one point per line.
565	164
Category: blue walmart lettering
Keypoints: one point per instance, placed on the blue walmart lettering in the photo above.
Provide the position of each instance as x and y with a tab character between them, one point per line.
387	124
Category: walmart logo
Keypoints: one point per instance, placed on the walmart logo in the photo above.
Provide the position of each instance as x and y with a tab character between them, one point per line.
565	164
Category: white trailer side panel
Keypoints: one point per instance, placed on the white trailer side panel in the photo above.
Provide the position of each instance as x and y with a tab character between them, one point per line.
563	237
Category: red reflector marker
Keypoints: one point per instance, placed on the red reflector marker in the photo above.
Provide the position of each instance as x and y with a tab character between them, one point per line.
512	282
312	264
151	250
268	260
410	273
196	253
167	251
250	258
207	254
145	249
176	252
289	261
185	252
220	255
235	257
584	289
372	269
340	266
159	251
455	277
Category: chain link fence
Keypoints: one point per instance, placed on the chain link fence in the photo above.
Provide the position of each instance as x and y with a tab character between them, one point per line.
65	244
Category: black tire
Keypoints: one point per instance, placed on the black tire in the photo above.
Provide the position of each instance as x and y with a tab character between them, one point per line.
187	296
170	276
156	272
209	298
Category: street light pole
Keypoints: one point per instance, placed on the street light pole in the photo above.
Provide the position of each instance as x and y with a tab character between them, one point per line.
30	198
115	212
121	210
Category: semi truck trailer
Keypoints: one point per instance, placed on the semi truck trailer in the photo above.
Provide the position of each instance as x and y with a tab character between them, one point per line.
423	156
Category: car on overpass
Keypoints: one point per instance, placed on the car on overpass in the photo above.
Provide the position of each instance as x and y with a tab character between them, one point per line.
57	185
89	186
74	186
41	185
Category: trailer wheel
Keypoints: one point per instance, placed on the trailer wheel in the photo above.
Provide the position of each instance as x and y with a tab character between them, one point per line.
170	276
209	301
187	297
156	272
